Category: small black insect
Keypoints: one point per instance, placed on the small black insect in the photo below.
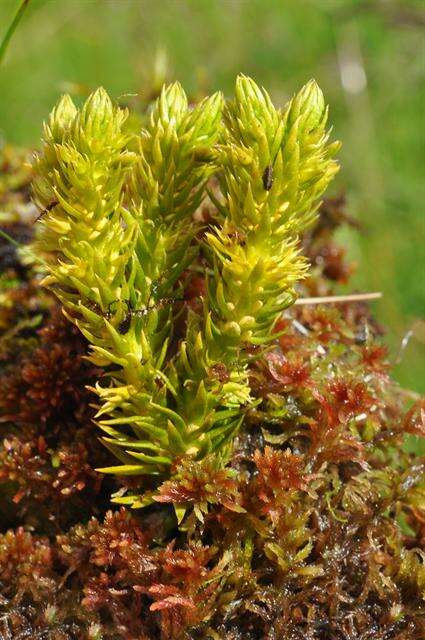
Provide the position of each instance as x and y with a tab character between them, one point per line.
268	177
46	210
124	325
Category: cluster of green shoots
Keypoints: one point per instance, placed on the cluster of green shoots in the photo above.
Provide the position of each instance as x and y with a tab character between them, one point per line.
122	234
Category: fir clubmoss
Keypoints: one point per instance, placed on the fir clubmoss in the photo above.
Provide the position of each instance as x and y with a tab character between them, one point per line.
119	235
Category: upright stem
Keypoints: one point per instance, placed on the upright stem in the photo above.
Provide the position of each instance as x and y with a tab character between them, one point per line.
12	27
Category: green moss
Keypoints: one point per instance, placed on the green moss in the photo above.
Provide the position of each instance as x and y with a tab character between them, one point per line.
117	224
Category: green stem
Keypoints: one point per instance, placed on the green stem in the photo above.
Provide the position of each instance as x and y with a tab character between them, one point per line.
12	27
9	238
22	247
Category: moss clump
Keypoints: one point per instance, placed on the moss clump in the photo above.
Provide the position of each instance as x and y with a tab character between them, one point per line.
266	441
119	232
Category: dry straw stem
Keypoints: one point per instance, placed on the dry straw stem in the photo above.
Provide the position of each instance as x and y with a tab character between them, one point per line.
353	297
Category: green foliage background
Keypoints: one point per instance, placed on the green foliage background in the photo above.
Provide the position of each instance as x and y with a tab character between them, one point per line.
368	57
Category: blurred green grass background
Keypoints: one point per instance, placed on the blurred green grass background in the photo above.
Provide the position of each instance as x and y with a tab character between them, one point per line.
368	57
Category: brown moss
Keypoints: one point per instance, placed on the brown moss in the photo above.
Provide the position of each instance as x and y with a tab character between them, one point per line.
49	382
